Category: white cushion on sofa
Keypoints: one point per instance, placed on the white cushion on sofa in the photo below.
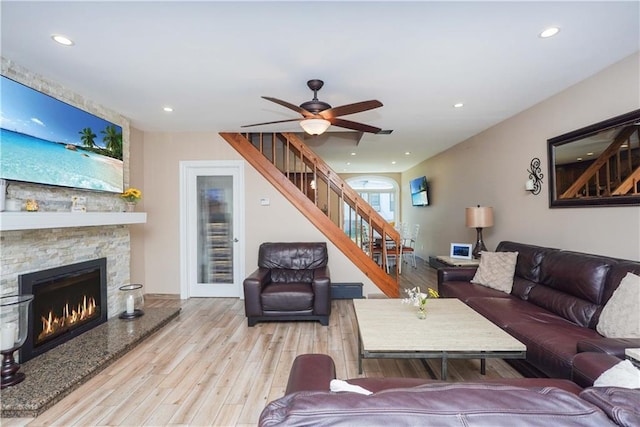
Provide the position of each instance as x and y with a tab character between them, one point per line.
340	385
622	374
620	317
496	270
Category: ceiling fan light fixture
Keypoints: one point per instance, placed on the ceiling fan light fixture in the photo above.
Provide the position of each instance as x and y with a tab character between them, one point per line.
315	126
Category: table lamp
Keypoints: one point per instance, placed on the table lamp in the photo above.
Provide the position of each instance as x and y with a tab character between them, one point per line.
479	218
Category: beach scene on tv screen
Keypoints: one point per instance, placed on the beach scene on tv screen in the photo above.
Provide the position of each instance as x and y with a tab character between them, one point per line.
46	141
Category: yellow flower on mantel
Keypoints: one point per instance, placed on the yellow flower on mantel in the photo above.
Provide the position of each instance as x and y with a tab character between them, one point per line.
132	195
32	205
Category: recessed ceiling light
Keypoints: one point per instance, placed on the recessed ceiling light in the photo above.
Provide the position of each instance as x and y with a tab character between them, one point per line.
624	146
407	153
168	109
589	154
353	154
348	163
63	40
458	105
393	162
579	159
549	32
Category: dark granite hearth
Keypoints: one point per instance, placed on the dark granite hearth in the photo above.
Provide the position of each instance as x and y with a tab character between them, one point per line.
53	375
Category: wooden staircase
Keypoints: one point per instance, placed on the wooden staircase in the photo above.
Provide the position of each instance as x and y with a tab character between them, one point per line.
347	220
613	173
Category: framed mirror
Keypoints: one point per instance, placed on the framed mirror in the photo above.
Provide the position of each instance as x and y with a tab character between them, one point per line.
598	165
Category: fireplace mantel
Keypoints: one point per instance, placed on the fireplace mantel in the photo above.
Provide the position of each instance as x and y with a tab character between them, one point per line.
38	220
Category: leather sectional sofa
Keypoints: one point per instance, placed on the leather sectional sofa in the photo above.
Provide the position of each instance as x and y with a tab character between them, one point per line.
553	308
418	401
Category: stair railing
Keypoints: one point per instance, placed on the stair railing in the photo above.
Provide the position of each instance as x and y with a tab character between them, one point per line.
333	199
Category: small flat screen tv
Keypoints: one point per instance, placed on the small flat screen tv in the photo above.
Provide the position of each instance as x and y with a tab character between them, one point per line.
419	191
46	141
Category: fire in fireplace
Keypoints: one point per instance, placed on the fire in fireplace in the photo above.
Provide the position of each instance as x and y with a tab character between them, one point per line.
53	325
68	301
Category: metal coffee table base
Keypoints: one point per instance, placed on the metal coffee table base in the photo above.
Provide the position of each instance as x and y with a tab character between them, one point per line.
443	355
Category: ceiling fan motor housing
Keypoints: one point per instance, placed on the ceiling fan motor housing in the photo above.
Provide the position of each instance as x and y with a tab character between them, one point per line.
315	106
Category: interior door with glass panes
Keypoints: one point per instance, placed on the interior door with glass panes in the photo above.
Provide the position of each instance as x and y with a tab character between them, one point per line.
213	224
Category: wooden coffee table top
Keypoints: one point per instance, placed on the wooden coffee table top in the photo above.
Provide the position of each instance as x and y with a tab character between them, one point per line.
388	325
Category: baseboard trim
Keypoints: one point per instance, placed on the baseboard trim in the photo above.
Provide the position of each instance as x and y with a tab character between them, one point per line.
162	296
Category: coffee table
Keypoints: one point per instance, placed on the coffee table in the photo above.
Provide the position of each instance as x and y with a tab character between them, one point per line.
390	329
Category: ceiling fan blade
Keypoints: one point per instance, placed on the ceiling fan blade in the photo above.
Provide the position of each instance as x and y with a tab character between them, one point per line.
345	110
270	123
354	125
290	106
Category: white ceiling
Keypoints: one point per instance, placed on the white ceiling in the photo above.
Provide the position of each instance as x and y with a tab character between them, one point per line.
211	61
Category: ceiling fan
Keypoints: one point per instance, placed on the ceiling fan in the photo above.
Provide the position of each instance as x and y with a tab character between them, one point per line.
317	115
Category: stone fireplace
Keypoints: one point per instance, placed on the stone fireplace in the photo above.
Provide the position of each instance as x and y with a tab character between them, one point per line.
68	300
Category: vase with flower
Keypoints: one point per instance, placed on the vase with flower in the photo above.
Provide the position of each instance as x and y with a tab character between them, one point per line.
131	197
419	299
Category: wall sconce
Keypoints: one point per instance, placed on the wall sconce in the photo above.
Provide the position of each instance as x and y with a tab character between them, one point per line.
534	184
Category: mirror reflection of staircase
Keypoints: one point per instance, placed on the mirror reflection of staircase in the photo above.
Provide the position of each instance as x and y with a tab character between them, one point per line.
615	172
325	199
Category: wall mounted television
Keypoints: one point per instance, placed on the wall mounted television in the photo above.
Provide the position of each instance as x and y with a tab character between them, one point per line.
419	191
46	141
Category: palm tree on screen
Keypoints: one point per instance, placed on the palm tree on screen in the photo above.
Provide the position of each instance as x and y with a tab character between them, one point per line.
113	141
87	137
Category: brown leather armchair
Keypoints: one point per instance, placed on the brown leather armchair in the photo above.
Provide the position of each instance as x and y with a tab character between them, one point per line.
291	283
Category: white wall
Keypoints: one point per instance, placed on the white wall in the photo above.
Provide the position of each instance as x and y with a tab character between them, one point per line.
490	169
158	156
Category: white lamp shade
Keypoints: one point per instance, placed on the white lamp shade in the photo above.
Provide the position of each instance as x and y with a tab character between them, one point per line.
315	126
479	217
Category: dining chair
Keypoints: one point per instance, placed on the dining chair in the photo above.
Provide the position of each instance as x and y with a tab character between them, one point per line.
409	245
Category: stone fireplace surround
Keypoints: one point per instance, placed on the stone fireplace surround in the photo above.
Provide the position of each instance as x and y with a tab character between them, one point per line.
26	251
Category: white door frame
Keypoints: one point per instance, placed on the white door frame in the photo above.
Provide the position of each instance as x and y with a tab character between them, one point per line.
186	167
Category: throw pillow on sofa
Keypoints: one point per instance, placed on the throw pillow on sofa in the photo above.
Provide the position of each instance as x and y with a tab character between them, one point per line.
496	270
620	317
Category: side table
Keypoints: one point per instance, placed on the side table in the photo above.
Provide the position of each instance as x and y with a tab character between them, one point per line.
438	263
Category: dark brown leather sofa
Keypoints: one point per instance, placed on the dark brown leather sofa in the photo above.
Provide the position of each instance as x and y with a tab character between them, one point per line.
422	402
553	308
292	282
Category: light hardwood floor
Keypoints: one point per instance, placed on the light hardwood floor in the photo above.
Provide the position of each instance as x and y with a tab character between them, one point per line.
208	368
